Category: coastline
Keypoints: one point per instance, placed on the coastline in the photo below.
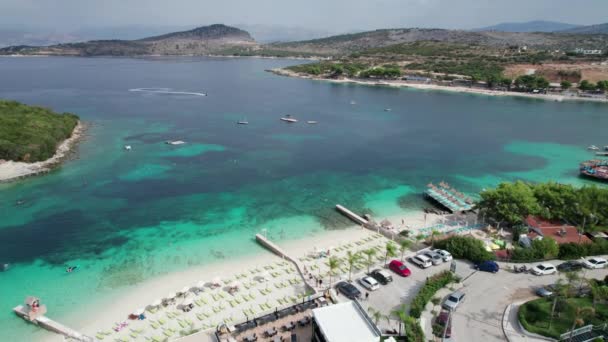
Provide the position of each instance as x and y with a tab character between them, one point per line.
435	87
11	171
108	311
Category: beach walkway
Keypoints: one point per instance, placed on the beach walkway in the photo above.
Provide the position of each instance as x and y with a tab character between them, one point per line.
53	326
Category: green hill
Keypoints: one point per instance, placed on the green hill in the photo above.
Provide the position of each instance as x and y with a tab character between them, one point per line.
31	134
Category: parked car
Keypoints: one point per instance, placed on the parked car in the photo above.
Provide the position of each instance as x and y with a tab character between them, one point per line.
399	268
569	266
487	266
444	254
349	290
442	320
453	300
544	291
436	259
543	269
369	283
595	262
381	276
421	261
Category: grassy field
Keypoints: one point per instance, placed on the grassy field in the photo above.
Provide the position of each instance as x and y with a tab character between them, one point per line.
534	316
30	133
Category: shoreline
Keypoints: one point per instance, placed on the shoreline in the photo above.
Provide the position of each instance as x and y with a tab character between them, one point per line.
11	171
116	308
435	87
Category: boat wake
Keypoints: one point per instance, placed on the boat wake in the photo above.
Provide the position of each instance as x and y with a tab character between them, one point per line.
167	91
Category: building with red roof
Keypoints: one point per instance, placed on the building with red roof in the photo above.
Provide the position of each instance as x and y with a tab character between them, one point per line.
561	233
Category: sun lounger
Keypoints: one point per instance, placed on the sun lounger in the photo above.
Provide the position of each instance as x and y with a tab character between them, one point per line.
157	338
100	336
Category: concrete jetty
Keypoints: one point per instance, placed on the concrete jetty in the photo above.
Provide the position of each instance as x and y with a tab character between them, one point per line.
358	219
264	241
39	319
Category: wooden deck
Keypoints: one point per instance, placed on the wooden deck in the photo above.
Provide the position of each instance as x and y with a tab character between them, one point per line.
52	325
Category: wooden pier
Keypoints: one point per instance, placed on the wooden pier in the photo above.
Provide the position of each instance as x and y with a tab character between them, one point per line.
51	325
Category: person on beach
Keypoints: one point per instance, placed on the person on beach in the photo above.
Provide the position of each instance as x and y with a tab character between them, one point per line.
366	295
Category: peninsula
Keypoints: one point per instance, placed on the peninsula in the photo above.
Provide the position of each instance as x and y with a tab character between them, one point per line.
33	139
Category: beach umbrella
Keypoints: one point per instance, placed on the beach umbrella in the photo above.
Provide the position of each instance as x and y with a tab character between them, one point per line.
235	284
187	301
138	312
200	284
185	290
216	281
171	295
266	275
156	303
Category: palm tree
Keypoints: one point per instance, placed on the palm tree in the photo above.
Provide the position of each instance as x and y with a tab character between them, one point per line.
391	251
579	318
376	315
561	291
402	315
434	233
370	253
403	246
334	263
352	259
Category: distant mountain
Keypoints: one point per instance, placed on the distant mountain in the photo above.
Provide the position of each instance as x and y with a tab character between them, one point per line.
35	37
279	33
207	40
357	42
530	26
591	29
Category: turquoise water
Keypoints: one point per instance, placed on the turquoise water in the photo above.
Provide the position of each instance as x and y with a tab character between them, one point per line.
126	216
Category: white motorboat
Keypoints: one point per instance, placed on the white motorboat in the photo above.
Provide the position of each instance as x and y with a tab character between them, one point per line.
243	122
593	148
311	122
288	118
175	142
128	147
387	109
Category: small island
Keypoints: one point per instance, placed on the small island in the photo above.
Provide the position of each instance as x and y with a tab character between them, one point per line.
34	139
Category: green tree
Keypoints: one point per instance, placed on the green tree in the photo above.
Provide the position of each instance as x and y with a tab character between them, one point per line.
404	245
506	82
334	263
579	318
545	248
376	315
566	85
369	253
352	259
391	251
434	233
586	85
509	202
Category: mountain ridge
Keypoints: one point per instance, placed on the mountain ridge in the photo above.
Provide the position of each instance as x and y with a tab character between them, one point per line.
529	26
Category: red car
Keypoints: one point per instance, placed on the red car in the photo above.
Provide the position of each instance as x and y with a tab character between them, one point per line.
399	268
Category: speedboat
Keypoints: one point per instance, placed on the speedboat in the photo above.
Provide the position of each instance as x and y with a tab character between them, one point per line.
288	118
593	148
311	122
175	142
387	109
606	148
128	147
243	122
353	102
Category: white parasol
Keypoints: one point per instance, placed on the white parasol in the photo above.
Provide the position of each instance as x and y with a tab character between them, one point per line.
216	281
138	312
156	303
171	295
200	284
187	301
185	290
235	284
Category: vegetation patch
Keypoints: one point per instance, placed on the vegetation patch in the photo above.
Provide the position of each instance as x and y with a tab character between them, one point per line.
432	285
30	133
465	247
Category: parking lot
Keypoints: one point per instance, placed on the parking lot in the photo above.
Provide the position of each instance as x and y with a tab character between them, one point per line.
479	317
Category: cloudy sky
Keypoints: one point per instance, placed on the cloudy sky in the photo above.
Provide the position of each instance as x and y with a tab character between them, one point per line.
334	15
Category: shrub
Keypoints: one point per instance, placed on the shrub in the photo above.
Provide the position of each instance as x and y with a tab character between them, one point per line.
413	330
465	247
432	285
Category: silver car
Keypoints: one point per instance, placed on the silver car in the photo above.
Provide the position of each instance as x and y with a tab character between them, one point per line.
453	300
435	257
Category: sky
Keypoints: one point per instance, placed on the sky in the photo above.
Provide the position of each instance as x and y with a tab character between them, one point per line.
330	15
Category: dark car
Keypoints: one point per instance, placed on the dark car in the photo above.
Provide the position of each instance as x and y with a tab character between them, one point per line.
441	321
570	266
349	290
487	266
381	276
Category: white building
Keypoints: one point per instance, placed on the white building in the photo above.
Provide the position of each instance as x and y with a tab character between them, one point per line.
344	322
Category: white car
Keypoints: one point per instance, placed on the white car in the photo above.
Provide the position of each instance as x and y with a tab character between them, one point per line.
544	269
421	261
369	283
436	259
595	263
444	254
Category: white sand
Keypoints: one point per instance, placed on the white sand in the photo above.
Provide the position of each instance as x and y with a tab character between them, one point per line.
147	292
457	89
11	170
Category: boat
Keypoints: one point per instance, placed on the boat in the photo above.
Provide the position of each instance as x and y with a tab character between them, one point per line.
243	122
288	118
593	148
595	169
606	148
387	109
311	122
128	147
175	142
353	102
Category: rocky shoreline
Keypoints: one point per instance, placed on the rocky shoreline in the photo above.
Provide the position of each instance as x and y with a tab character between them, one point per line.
11	171
425	86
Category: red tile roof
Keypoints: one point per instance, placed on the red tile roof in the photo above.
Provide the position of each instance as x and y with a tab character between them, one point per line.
559	232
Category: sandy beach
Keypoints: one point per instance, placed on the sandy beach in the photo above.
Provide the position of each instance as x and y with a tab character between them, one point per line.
435	87
246	270
11	170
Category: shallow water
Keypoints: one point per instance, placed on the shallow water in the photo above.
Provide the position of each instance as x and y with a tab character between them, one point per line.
125	216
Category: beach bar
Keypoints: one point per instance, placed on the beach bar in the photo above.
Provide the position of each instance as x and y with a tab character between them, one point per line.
32	311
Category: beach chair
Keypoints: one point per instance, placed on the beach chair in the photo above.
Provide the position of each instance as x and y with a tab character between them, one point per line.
200	317
161	321
100	336
157	338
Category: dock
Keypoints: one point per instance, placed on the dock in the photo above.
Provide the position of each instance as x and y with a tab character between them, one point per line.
358	219
448	197
51	325
264	241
